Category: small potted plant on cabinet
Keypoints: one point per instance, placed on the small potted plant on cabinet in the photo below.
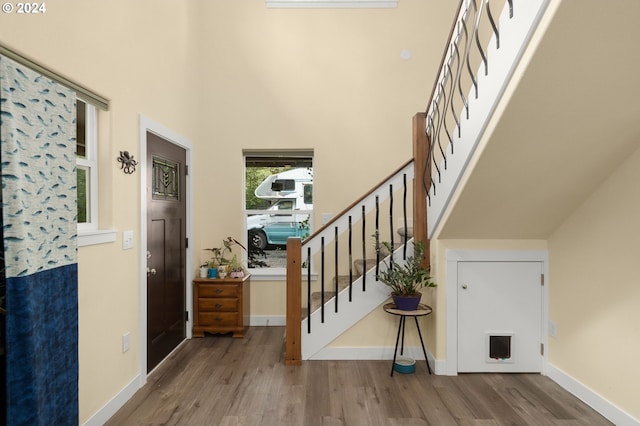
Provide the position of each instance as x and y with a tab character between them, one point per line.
204	270
213	268
235	268
406	280
218	260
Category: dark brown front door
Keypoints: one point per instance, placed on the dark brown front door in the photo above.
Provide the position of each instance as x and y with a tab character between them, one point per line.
166	248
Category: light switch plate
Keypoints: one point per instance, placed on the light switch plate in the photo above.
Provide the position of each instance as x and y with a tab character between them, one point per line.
127	240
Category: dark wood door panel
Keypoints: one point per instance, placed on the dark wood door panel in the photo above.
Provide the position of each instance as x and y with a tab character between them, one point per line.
166	244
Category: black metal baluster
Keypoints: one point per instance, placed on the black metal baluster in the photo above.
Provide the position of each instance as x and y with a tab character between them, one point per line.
336	266
454	49
469	44
322	280
350	261
393	247
463	25
308	290
377	234
479	45
438	116
493	24
404	211
448	100
442	121
364	252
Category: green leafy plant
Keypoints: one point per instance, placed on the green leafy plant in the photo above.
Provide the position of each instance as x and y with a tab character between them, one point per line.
219	253
405	279
235	265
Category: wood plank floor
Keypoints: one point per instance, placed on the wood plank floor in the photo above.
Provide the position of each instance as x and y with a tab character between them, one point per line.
218	380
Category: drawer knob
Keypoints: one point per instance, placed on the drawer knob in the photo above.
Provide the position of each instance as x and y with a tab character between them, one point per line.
218	291
218	305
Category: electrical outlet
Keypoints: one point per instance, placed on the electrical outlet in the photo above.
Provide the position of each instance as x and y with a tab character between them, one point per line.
125	342
127	240
553	329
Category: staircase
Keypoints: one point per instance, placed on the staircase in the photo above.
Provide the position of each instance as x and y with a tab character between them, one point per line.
343	256
462	103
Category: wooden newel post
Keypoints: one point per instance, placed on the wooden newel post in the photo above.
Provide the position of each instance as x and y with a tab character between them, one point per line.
293	349
421	183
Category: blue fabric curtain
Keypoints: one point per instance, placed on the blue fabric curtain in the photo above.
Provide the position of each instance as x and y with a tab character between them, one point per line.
39	214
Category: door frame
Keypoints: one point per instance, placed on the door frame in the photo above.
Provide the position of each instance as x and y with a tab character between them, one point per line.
148	125
454	256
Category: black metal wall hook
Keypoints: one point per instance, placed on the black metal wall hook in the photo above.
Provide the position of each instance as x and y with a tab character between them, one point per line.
127	163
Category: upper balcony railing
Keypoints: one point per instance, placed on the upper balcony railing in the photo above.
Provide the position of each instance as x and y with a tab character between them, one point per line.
477	65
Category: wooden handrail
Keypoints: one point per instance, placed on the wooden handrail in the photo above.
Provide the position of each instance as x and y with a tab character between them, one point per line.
356	202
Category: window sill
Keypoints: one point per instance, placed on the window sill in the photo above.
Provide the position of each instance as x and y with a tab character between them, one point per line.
98	236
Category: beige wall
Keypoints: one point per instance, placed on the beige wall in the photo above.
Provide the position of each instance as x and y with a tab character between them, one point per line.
595	290
137	54
329	80
227	75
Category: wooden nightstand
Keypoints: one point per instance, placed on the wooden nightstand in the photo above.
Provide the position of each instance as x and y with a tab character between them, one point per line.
221	305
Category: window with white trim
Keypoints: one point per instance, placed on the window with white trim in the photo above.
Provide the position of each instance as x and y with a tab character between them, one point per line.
87	165
278	204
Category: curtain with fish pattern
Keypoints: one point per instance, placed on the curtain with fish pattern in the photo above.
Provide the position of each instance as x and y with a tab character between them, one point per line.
39	214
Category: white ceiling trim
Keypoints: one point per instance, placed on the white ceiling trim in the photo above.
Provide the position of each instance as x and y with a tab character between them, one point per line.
331	4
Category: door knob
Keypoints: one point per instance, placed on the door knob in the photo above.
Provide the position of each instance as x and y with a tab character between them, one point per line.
151	271
464	286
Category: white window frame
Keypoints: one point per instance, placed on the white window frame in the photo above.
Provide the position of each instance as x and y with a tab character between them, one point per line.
271	273
89	232
90	164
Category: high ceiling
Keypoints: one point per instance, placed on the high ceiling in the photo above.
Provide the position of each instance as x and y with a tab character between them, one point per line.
572	120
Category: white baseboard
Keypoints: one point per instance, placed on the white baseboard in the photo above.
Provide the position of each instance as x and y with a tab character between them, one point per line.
440	367
268	320
370	353
111	407
613	413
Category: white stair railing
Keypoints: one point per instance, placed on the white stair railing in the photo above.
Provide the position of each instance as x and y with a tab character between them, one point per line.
479	63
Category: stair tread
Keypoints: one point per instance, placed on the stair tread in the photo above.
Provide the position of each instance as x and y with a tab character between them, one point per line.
359	265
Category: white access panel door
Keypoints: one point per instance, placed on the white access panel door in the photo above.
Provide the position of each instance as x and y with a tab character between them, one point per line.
499	317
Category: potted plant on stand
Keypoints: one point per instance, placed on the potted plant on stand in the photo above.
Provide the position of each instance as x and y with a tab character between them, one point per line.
406	279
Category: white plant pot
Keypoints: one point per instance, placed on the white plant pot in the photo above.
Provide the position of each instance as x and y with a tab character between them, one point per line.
204	271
